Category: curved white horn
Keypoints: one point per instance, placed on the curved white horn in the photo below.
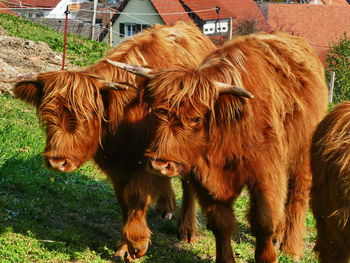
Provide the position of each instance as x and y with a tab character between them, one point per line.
141	71
117	86
227	89
26	77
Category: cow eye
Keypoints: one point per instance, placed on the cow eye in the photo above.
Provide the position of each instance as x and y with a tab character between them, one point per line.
161	111
196	120
69	120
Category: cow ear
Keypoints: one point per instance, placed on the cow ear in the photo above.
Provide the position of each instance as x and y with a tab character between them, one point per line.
30	91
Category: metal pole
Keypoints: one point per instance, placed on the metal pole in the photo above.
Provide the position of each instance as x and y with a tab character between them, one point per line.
218	10
93	20
65	38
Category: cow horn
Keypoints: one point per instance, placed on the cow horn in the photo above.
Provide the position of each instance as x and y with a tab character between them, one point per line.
140	71
26	77
226	89
117	86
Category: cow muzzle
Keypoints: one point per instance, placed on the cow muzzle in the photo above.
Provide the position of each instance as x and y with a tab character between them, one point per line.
167	168
60	164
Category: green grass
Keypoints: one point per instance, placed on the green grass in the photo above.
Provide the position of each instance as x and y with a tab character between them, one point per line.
80	51
54	217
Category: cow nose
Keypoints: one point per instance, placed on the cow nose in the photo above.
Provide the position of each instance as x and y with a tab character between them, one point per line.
59	164
167	168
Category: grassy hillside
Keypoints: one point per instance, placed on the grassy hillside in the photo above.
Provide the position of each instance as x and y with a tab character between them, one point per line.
79	51
54	217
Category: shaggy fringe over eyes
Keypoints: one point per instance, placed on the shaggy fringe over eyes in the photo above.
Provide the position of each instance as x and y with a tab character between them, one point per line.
196	86
182	86
336	141
76	91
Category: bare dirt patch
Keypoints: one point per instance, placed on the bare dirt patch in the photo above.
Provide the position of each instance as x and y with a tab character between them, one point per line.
20	56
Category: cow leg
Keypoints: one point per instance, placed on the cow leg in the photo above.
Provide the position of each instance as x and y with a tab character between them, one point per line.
187	221
135	233
166	201
266	212
122	252
220	220
331	243
296	207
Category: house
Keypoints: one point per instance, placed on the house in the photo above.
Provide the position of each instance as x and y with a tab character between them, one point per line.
216	18
224	17
52	13
4	9
32	8
135	15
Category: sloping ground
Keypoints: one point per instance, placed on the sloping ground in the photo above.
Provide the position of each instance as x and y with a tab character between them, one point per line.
21	56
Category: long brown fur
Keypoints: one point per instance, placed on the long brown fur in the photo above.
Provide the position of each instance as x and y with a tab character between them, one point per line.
330	192
82	120
230	142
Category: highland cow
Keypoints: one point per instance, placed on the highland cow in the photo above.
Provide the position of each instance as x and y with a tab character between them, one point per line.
330	191
244	117
86	115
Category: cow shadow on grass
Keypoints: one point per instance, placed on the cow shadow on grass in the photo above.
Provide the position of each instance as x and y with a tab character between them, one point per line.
70	213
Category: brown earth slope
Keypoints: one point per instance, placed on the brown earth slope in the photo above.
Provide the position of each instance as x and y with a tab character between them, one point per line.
20	56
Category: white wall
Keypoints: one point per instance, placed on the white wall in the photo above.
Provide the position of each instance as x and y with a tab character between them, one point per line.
58	11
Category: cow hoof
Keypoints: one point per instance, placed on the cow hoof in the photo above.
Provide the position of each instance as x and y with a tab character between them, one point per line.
167	216
141	252
122	254
165	208
187	236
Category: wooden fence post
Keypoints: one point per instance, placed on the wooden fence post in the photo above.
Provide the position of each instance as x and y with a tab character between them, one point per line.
110	33
331	87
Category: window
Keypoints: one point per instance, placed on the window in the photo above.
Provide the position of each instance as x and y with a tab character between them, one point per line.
30	14
130	29
98	21
214	27
209	28
222	26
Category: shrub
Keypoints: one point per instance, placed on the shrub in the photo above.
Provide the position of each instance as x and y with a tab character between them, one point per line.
338	60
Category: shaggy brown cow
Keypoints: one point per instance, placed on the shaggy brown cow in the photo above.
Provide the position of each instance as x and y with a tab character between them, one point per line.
85	116
330	192
228	141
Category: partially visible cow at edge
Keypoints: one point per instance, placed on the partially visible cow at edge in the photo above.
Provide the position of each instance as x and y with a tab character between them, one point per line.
330	191
244	117
86	115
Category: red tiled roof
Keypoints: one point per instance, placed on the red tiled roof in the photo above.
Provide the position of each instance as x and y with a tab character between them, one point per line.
32	3
246	9
321	25
336	2
6	11
198	5
170	6
237	9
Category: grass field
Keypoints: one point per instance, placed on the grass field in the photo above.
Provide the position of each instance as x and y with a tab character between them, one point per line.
54	217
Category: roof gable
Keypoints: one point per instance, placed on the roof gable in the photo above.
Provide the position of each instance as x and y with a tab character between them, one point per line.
32	3
170	11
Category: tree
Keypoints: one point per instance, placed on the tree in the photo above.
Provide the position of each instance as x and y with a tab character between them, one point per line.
338	60
246	26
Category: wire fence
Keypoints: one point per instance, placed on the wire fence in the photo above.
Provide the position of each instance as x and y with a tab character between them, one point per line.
80	22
